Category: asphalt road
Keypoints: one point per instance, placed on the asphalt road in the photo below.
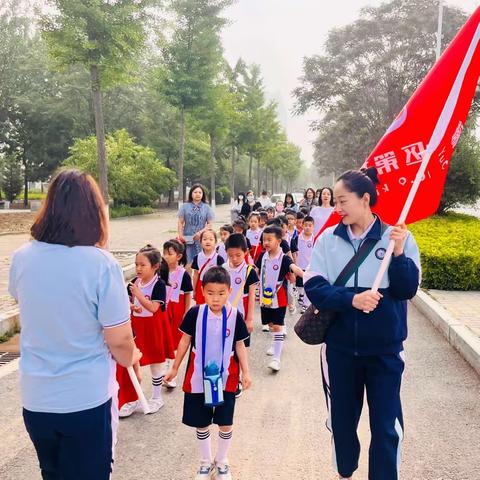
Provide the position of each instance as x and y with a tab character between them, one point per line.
280	432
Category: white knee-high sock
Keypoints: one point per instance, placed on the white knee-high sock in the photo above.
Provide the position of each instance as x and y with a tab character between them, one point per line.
224	441
158	372
205	445
278	339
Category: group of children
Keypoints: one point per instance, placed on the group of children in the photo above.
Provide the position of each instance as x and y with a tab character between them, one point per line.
259	259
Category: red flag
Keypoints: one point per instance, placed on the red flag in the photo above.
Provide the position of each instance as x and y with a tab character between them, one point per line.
423	136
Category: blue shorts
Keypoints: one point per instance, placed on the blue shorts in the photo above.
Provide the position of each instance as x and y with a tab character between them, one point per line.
73	446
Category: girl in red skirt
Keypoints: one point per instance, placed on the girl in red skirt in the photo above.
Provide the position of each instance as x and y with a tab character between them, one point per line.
205	260
150	324
254	234
179	289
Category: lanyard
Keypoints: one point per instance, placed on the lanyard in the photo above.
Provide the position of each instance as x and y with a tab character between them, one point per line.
204	335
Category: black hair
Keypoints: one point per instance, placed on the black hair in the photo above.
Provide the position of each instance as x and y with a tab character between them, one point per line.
179	248
211	231
254	214
308	218
194	187
282	219
154	258
361	182
264	192
270	209
227	228
216	275
238	197
285	200
240	223
320	197
300	215
307	190
263	214
289	211
274	221
275	230
305	211
236	240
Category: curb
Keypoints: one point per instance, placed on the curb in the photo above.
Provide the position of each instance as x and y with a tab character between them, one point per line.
10	320
460	337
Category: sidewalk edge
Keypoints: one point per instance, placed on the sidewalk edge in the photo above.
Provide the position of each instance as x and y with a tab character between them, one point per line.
460	337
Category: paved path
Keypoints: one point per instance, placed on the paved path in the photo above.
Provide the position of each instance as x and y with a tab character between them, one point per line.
130	233
280	431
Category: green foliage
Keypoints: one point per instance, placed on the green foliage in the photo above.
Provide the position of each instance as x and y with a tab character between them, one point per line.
136	176
369	70
12	178
450	251
127	211
109	35
222	195
463	182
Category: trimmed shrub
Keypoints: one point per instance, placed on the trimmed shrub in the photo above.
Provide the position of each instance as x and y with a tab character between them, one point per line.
450	251
127	211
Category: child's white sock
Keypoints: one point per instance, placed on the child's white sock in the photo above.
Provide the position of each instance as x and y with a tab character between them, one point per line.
158	372
278	339
224	441
205	445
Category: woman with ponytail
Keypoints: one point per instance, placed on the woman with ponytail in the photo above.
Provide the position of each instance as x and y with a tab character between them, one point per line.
363	350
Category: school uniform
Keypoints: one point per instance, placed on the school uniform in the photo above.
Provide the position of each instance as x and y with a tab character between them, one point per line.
273	277
180	285
201	263
208	340
291	236
303	247
364	351
254	237
153	335
242	278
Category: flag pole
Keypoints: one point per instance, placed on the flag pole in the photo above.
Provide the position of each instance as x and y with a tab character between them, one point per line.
437	136
138	389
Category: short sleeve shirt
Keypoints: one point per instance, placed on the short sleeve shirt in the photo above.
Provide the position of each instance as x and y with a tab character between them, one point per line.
195	217
67	296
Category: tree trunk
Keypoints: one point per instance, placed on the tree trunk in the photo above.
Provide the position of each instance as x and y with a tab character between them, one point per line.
170	190
213	168
100	132
25	180
181	158
273	179
266	177
258	177
232	178
250	171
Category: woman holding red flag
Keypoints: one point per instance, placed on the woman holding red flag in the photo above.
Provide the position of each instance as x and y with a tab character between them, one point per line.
364	345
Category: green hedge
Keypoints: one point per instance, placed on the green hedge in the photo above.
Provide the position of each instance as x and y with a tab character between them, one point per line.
126	211
450	251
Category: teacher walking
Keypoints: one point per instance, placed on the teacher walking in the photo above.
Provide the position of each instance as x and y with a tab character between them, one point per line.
75	316
364	345
194	217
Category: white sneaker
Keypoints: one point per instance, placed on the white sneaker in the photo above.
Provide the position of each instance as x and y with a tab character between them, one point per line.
292	309
274	365
172	384
223	471
128	408
284	331
270	352
155	404
206	471
265	328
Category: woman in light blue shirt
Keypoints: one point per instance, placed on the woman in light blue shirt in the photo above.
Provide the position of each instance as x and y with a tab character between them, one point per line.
75	318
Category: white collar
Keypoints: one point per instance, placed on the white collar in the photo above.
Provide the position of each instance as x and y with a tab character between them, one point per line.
352	236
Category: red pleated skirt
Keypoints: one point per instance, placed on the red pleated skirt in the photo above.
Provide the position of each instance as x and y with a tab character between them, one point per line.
199	298
175	313
153	337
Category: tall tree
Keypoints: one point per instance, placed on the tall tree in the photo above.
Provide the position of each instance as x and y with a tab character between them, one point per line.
106	38
369	70
192	61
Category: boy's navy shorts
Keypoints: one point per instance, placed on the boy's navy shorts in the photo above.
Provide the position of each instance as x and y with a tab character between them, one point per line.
276	316
73	446
196	414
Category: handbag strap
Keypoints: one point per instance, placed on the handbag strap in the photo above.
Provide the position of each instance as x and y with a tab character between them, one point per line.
360	256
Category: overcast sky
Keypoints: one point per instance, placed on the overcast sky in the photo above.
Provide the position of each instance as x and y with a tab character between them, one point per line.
277	34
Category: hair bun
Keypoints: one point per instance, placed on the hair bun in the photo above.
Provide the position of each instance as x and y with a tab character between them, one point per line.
372	174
